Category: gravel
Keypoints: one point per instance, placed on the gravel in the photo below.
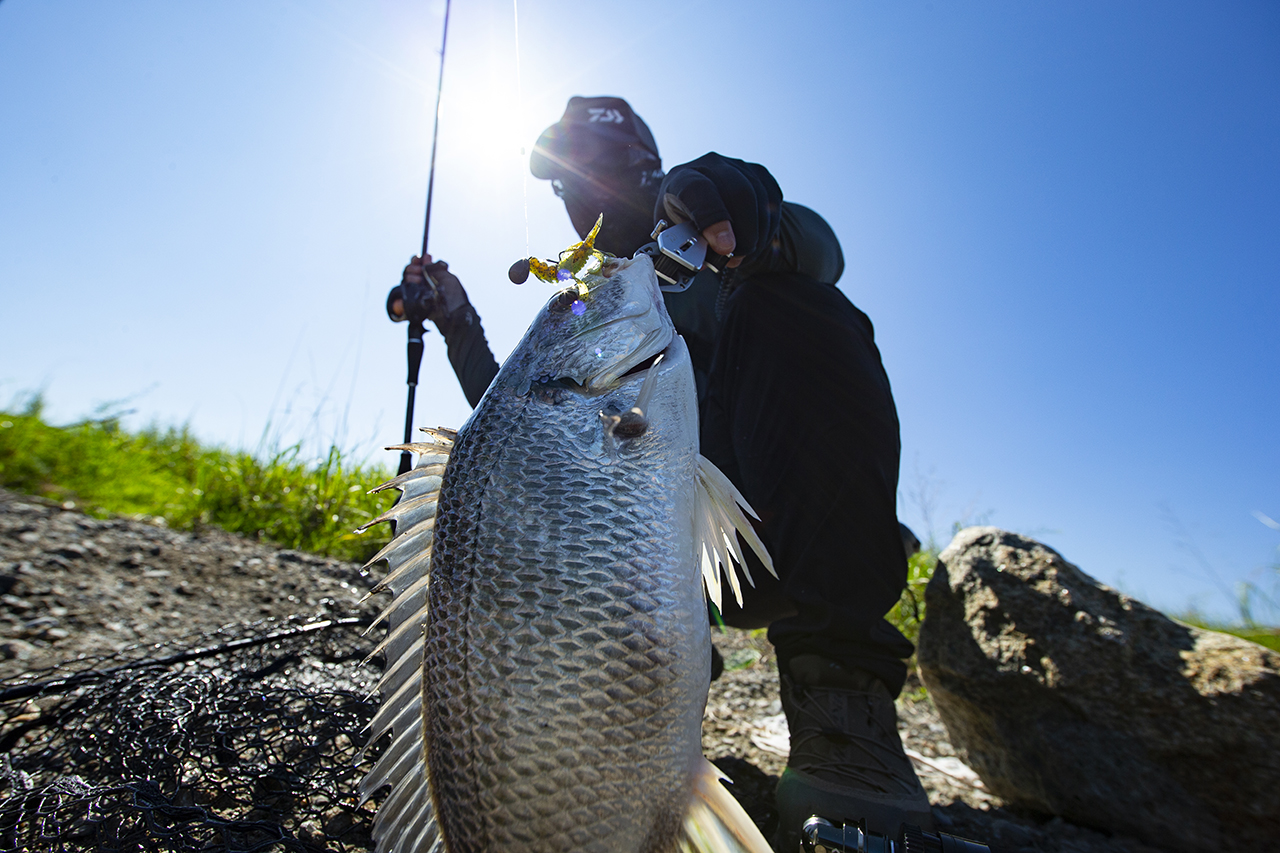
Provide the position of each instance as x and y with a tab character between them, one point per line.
72	585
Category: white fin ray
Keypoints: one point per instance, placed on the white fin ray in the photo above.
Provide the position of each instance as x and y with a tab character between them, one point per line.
408	542
423	448
402	796
395	675
405	821
710	578
409	511
395	581
713	556
736	552
427	468
715	823
442	434
406	624
421	836
402	598
403	752
718	513
385	720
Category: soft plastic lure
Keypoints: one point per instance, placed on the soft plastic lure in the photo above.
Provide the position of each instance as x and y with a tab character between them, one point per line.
575	263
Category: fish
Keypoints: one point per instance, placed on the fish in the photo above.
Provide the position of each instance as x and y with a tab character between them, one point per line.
547	655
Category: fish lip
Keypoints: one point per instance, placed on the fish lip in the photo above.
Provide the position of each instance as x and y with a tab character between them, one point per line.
591	388
650	348
674	354
644	352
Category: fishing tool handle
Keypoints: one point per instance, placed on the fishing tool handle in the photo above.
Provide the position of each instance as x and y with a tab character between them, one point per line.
679	253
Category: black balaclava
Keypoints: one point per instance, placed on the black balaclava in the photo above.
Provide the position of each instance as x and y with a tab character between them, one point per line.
626	200
602	158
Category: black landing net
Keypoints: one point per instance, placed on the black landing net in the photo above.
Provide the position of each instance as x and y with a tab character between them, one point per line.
244	739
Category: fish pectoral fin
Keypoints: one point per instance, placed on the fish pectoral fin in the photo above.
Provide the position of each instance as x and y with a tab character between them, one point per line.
718	513
715	823
647	387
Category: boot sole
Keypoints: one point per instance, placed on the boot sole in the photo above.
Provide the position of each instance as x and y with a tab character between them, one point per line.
801	796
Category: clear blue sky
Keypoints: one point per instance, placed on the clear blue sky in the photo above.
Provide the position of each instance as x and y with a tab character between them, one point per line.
1063	217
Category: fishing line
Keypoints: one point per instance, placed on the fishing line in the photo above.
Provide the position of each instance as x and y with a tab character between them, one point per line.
435	133
524	173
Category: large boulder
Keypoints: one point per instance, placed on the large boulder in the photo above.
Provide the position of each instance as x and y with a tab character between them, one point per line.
1072	699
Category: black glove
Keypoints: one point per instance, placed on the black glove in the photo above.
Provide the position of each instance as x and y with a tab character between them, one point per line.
437	303
714	188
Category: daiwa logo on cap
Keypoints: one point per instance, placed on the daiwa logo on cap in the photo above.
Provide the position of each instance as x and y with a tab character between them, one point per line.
601	114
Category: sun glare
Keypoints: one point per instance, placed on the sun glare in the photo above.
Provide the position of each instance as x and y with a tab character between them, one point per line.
485	137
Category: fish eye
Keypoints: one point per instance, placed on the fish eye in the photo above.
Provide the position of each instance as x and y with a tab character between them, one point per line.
563	301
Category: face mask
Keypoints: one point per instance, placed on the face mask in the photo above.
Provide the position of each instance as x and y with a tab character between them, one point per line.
628	211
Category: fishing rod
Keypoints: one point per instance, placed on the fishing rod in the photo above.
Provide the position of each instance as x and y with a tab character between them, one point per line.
415	302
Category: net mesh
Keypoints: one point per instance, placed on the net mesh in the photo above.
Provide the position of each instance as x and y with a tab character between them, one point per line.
244	739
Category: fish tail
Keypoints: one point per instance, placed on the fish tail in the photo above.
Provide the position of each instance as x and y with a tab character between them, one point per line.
715	823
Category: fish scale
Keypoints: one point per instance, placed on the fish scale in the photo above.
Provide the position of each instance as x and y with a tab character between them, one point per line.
446	684
547	741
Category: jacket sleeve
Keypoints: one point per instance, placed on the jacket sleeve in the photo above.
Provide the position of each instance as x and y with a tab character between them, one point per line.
469	354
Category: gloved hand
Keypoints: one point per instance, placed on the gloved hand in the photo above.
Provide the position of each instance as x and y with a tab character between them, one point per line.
736	205
448	298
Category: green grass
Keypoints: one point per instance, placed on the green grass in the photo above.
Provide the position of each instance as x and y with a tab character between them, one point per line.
279	496
908	613
1263	636
1269	637
166	473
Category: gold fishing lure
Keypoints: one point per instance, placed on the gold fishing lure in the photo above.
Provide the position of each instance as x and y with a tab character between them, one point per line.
574	261
574	258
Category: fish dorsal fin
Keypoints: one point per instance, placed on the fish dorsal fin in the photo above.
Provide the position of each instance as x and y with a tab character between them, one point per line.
717	514
405	821
715	823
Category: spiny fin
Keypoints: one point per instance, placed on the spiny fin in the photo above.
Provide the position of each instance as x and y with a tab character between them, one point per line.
716	516
423	470
405	822
715	823
449	435
416	447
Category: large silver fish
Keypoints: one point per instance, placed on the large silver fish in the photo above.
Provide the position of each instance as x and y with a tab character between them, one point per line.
548	653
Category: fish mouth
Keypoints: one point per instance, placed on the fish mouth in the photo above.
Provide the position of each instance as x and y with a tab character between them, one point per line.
646	364
639	361
639	367
669	358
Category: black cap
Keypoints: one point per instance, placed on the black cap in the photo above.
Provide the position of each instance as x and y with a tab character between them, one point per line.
595	135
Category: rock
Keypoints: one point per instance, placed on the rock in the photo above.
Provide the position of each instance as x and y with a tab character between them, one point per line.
16	650
1072	699
910	541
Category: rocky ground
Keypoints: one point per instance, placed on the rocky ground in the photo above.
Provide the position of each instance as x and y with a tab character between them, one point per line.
73	585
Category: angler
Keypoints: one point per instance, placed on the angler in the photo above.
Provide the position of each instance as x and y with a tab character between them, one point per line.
796	409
